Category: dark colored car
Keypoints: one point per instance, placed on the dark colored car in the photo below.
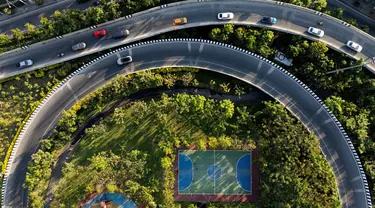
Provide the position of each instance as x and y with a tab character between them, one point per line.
96	3
124	60
120	34
268	20
81	1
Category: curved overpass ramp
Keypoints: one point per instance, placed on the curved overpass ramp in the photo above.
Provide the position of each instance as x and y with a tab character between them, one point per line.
291	19
238	63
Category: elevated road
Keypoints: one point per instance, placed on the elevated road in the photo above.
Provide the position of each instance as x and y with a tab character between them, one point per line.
230	61
33	16
291	19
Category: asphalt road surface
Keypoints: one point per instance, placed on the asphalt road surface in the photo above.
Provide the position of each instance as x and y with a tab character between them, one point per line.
206	56
33	17
291	19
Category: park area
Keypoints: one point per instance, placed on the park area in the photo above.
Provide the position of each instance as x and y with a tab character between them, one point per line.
215	175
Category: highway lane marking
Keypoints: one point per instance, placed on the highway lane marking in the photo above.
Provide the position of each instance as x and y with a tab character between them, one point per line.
358	190
201	47
70	88
317	112
259	65
196	61
130	52
118	55
328	120
189	46
356	178
271	70
338	169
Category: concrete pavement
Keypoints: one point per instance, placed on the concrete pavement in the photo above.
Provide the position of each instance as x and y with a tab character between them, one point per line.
230	61
291	19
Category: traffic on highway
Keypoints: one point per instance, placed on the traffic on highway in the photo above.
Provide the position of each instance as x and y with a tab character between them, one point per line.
288	19
201	54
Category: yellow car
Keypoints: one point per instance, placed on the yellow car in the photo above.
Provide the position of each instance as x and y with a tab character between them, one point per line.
180	21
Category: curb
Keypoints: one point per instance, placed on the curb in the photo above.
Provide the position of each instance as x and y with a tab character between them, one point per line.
370	67
339	126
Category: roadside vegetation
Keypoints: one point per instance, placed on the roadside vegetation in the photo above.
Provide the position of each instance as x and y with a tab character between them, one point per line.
269	42
70	20
122	87
67	21
154	132
349	94
21	95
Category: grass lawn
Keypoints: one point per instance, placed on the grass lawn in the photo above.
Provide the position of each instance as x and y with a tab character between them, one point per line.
135	134
132	135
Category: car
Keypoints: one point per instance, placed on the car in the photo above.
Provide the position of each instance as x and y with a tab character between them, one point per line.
100	33
96	3
316	32
25	63
180	21
120	34
79	46
225	16
354	46
81	1
124	60
268	20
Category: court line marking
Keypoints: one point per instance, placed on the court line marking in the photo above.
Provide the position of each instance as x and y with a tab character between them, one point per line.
237	171
192	172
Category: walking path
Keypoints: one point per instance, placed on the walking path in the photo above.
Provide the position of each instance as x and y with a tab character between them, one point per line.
143	94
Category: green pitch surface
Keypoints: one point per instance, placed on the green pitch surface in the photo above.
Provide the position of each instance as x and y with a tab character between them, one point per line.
224	172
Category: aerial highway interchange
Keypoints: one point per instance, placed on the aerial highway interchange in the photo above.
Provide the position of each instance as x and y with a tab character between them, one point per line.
233	62
291	19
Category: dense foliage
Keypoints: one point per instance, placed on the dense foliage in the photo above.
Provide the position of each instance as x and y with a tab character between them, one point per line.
353	90
110	172
155	130
120	87
70	20
20	96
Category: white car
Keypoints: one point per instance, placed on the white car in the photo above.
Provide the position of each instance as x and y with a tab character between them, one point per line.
316	32
25	63
354	46
225	16
124	60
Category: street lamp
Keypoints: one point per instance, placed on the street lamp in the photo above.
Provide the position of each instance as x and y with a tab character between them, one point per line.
372	61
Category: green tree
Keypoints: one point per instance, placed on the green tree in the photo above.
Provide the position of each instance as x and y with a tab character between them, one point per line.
17	35
94	15
30	28
319	5
4	39
317	49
